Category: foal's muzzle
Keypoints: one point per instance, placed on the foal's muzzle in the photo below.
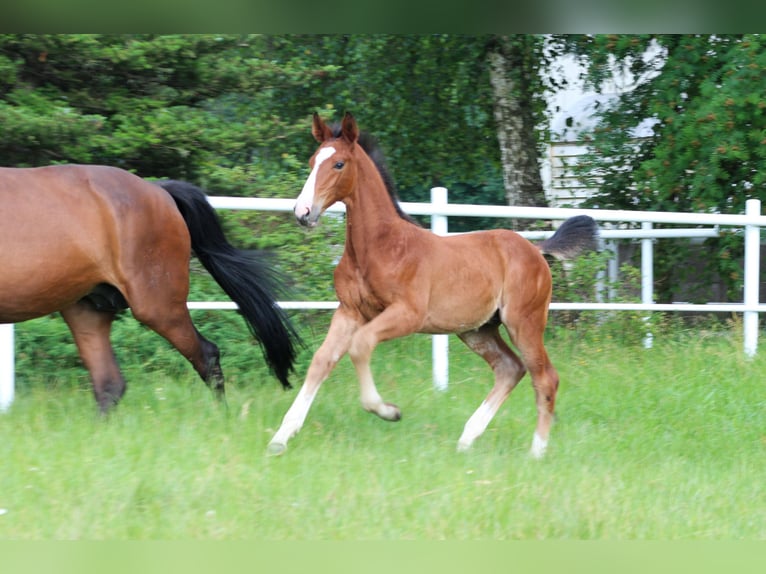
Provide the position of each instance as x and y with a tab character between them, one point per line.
304	217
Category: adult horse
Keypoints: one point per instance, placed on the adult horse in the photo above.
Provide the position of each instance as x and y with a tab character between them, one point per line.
89	241
396	278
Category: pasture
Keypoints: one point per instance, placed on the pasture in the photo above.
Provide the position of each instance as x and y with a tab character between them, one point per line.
667	443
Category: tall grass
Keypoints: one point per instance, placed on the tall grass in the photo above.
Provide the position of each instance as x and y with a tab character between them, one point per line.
663	443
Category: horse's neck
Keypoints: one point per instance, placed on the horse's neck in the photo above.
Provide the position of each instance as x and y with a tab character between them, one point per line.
370	214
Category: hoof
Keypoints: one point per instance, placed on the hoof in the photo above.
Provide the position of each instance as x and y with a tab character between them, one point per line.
276	449
392	413
537	454
463	446
539	446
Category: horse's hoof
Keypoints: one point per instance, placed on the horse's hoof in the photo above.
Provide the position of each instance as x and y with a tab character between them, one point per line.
392	413
539	446
463	446
276	448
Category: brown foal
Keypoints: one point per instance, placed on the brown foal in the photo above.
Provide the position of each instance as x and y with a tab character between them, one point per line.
397	278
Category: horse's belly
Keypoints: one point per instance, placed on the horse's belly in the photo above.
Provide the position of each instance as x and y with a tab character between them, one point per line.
457	315
28	301
463	297
32	287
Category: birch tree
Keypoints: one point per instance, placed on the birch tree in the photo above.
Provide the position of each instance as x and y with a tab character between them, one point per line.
512	74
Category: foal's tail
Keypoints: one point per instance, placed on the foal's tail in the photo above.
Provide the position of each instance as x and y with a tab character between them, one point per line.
574	236
249	281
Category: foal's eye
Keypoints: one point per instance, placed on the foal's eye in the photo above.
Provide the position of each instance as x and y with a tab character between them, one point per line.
339	165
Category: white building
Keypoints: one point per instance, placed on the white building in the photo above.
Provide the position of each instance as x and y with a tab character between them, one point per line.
572	112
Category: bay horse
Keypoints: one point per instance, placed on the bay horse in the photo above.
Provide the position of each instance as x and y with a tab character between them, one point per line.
396	278
90	241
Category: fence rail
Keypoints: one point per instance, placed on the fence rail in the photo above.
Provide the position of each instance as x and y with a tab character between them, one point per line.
440	210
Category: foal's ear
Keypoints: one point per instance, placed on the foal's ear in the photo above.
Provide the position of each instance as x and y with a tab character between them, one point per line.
349	131
319	129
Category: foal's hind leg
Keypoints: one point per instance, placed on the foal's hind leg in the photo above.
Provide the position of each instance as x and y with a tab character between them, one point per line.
90	329
528	338
508	370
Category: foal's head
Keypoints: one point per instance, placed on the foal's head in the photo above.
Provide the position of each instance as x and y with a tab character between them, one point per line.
333	169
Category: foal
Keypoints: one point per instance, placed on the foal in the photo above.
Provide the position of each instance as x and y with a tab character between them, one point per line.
396	278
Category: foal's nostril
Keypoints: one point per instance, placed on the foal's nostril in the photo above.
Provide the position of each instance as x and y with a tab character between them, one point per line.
303	218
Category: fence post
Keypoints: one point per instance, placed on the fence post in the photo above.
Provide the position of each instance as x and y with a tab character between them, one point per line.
440	343
647	278
613	268
7	366
752	277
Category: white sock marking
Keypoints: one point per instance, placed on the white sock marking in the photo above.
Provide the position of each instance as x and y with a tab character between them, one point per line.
475	425
539	445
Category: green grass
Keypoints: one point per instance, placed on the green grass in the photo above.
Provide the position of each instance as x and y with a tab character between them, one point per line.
667	443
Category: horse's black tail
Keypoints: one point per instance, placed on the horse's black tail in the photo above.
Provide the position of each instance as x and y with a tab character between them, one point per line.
247	279
574	236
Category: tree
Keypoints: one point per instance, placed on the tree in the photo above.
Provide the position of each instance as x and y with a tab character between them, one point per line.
204	108
440	105
516	89
426	98
196	107
208	107
232	112
707	148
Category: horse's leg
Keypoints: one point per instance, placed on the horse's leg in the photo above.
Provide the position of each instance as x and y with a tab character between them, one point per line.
527	334
163	309
176	326
90	329
335	345
396	321
508	369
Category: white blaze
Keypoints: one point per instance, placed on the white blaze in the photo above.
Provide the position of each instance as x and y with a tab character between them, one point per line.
305	200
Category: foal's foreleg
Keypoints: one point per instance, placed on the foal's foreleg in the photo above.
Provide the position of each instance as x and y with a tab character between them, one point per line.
90	329
508	370
396	321
335	345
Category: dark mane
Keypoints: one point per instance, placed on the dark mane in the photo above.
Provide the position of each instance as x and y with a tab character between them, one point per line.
370	146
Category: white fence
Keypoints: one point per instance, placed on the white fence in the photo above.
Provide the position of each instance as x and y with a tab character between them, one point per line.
440	210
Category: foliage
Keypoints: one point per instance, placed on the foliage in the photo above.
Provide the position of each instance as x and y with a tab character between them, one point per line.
708	144
584	280
231	113
426	99
196	107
